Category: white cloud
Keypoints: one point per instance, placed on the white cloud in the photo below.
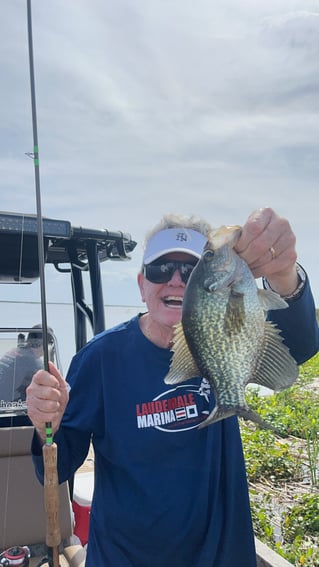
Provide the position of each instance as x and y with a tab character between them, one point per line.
145	107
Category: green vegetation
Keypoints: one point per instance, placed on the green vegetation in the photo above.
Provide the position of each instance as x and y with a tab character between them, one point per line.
283	468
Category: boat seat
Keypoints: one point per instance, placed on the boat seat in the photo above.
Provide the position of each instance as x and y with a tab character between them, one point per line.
22	518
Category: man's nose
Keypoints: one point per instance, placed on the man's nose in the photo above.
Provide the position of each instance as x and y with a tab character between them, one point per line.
176	279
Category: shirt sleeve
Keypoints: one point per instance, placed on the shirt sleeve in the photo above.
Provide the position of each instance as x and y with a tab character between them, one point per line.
298	325
72	450
81	418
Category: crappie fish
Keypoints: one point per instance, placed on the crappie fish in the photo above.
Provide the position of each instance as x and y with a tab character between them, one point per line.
224	336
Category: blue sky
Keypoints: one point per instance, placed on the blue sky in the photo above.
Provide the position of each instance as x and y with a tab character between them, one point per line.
145	107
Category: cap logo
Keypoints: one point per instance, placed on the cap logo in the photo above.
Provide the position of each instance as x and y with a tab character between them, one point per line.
181	236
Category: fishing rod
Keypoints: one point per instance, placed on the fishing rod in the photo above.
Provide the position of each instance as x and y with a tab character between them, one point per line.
51	484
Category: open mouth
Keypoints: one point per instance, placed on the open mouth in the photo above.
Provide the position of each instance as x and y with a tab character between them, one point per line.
173	301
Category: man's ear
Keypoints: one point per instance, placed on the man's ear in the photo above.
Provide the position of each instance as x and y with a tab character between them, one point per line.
140	281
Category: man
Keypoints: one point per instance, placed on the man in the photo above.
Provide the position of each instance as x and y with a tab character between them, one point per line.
166	493
18	365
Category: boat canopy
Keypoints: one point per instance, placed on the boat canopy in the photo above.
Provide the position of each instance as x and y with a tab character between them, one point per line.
70	249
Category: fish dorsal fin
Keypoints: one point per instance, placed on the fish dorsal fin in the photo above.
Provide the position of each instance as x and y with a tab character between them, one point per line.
276	368
183	366
271	300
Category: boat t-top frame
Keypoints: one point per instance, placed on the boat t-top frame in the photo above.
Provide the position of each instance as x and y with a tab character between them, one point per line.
69	249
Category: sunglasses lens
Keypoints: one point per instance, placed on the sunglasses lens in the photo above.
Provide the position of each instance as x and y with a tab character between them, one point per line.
162	273
185	271
159	273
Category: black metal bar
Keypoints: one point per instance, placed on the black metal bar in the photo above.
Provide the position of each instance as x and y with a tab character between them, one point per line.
96	288
79	315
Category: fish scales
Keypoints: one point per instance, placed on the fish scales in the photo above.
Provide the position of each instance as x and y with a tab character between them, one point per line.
223	335
225	355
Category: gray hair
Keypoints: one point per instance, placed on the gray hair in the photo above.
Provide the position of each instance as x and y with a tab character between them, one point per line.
172	220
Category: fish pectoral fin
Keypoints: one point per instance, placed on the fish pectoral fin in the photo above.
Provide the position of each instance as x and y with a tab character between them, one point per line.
235	313
276	368
182	367
271	300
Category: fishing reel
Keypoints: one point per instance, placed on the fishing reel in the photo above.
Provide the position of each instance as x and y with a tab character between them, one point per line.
17	556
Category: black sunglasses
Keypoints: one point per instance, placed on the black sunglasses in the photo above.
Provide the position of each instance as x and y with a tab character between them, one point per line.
162	272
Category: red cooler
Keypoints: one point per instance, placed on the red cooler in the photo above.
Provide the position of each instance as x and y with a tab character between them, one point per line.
82	499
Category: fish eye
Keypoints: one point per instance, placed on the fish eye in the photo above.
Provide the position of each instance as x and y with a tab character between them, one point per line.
209	254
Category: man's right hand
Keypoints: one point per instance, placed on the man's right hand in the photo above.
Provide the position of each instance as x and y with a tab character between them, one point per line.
47	398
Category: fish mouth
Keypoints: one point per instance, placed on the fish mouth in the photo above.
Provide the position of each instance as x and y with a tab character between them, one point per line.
220	285
174	301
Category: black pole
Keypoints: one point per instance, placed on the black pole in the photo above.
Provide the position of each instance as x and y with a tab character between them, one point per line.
38	193
51	484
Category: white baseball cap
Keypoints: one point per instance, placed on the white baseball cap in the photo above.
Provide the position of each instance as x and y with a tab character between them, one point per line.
174	240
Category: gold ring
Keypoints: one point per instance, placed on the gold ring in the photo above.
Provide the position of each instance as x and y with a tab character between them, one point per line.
272	252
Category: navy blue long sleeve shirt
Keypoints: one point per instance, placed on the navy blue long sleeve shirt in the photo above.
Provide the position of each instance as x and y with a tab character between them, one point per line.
166	493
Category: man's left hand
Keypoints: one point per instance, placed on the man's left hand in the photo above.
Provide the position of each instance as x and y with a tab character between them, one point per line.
267	243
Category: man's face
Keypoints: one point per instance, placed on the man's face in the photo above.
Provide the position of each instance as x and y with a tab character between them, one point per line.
164	300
